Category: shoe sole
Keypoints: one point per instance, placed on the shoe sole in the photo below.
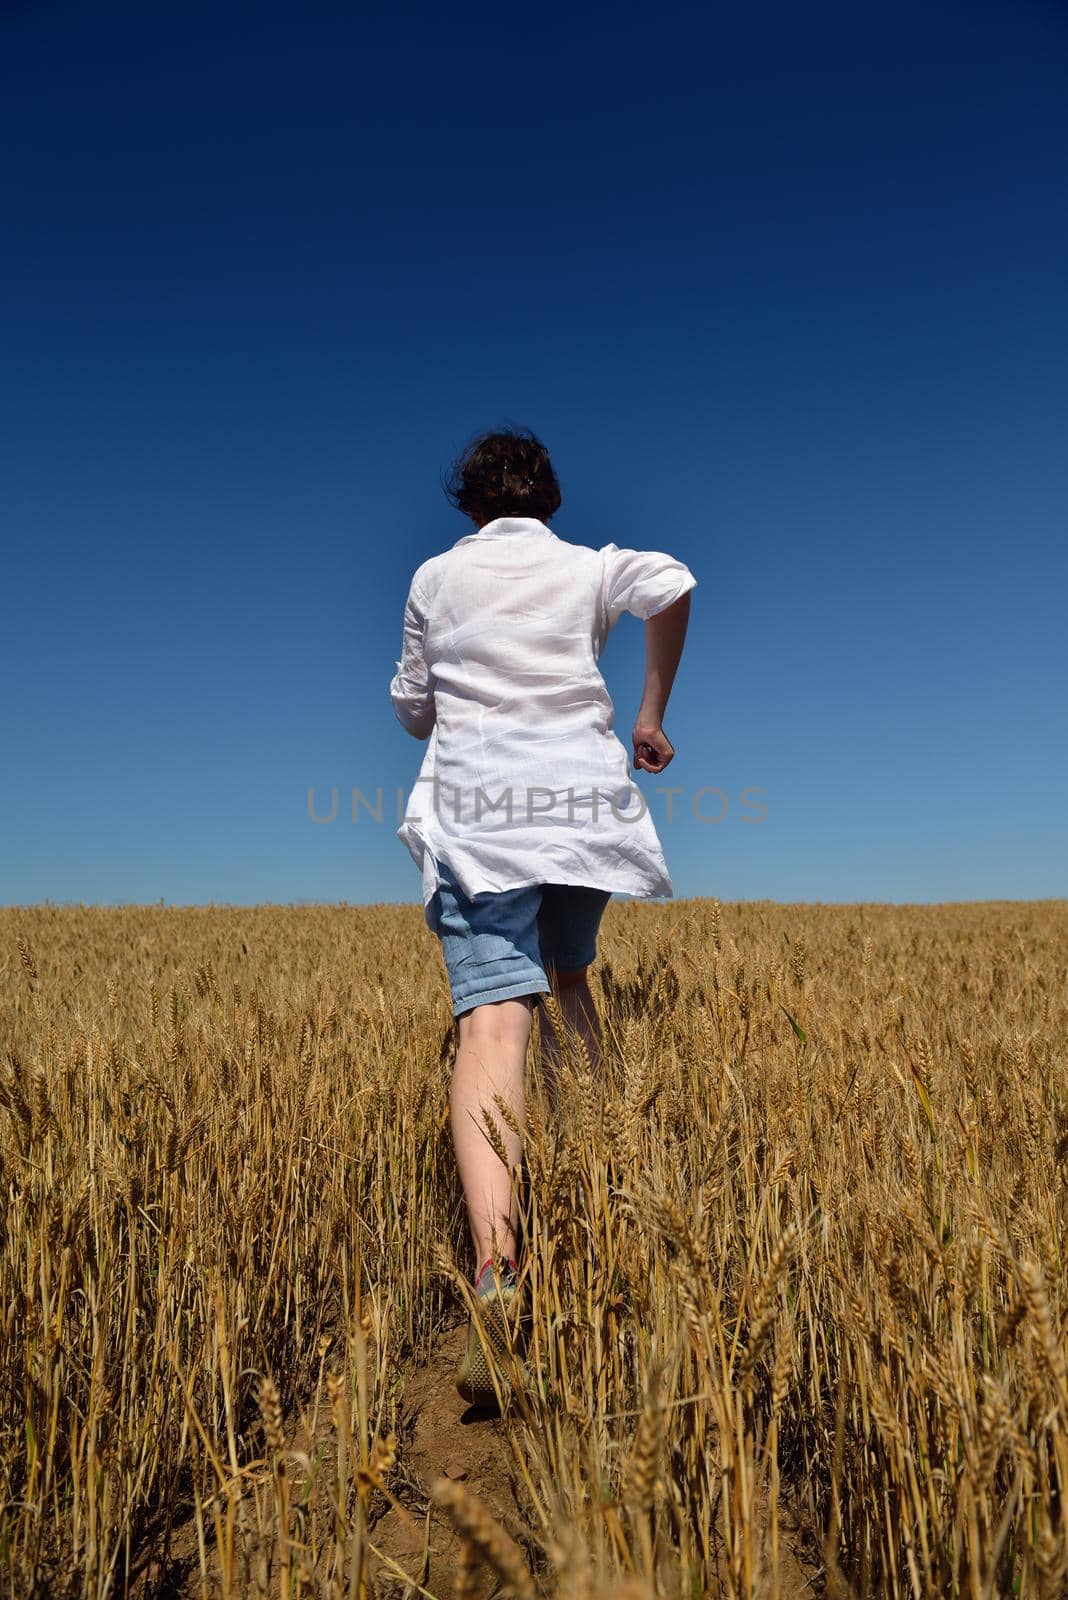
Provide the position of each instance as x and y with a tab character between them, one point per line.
474	1375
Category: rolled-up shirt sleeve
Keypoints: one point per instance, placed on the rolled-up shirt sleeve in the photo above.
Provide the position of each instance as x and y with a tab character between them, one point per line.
412	689
642	582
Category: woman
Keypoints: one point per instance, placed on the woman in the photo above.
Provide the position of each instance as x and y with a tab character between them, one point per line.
524	818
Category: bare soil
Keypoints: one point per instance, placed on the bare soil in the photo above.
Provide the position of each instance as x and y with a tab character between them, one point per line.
417	1552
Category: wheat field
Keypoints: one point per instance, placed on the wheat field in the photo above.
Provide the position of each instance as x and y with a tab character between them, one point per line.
794	1261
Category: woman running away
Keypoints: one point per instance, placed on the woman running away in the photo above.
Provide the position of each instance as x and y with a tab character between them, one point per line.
524	817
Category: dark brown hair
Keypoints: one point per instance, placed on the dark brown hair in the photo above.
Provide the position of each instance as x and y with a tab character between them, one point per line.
504	473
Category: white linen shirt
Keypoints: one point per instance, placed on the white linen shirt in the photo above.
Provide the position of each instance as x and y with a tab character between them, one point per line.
524	780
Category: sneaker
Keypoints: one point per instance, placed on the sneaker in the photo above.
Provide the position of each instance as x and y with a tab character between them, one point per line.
474	1375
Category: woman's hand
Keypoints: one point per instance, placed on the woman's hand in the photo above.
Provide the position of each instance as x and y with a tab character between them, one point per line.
653	749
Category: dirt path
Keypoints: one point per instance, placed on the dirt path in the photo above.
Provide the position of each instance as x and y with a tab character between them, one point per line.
448	1439
472	1447
420	1554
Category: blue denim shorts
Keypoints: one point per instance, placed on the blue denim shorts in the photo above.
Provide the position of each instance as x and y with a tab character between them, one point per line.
497	945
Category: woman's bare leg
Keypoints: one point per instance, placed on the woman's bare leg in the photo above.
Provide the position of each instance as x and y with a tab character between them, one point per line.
572	989
490	1060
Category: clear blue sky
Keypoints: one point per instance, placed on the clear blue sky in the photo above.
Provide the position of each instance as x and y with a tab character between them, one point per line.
782	288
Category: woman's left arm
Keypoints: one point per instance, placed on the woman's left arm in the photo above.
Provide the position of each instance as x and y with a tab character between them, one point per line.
411	690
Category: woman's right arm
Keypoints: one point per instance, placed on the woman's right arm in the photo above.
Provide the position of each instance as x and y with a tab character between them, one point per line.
655	587
665	634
